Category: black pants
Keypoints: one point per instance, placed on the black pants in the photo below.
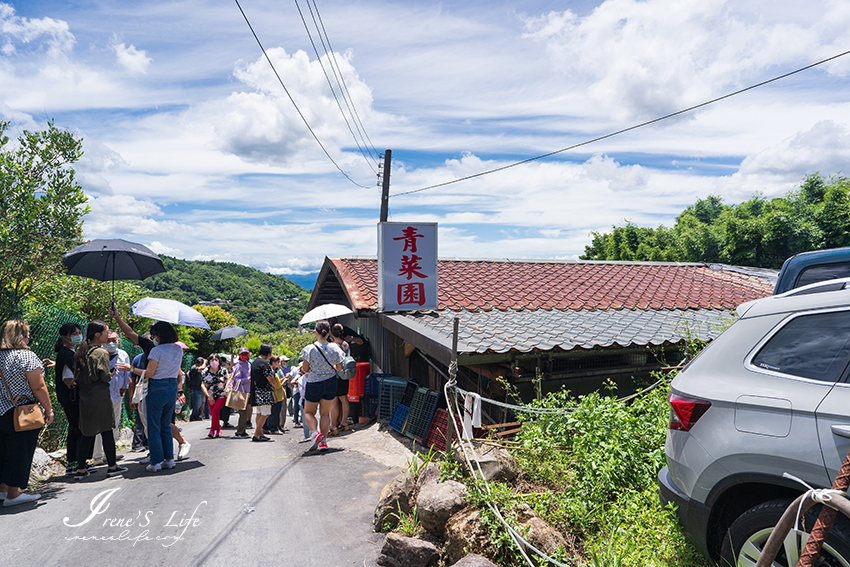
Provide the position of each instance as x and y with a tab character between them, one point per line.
139	439
16	451
72	413
225	414
86	448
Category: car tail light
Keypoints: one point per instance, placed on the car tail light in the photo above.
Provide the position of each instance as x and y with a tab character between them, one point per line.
685	412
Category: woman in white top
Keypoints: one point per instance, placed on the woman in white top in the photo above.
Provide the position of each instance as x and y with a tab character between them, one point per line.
23	374
163	369
319	362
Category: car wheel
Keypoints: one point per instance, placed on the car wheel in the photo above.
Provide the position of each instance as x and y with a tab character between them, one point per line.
743	542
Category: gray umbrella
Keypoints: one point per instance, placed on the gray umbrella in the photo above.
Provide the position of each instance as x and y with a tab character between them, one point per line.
229	332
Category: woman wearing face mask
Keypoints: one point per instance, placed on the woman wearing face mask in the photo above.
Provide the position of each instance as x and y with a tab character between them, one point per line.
215	377
117	388
91	371
70	337
241	382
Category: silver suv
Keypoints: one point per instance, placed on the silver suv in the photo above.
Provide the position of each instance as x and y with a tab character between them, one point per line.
771	395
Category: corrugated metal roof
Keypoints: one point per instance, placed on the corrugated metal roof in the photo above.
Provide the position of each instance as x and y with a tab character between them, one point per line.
485	332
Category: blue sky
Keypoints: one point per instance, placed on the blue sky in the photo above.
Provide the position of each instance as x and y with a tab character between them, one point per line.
192	147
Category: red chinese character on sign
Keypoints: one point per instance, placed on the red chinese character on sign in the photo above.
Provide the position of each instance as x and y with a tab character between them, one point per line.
409	237
411	293
410	265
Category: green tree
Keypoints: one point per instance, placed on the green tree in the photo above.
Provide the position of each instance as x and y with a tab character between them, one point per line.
199	339
41	208
89	298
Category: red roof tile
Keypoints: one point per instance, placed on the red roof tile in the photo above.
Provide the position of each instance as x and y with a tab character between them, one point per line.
492	284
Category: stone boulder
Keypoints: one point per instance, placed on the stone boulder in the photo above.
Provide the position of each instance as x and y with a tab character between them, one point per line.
474	560
397	495
401	551
437	502
431	473
465	534
540	534
44	466
497	464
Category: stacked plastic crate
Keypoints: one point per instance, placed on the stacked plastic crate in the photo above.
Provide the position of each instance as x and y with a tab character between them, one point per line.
391	393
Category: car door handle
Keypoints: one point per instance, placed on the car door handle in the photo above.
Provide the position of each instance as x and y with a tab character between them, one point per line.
841	430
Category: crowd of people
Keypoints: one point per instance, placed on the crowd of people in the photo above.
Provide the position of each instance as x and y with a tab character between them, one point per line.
93	375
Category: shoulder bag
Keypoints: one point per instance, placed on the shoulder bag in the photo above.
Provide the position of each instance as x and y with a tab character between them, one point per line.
28	416
347	364
235	399
141	388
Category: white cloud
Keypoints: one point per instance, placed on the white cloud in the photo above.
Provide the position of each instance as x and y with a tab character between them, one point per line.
824	148
646	59
134	61
14	28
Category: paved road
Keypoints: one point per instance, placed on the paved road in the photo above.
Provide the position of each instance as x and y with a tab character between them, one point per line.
233	502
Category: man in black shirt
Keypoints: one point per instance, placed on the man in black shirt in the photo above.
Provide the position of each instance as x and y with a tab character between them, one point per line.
262	390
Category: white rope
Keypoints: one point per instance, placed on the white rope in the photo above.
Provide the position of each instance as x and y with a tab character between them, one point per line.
818	495
518	539
554	411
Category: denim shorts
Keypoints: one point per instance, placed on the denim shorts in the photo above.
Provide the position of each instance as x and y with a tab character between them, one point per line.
324	390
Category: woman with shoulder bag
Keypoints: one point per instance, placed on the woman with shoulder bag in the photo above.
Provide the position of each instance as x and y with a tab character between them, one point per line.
320	361
22	374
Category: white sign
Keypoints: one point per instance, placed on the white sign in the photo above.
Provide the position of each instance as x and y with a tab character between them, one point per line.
407	266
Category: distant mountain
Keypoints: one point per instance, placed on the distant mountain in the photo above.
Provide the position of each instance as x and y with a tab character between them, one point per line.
307	281
262	302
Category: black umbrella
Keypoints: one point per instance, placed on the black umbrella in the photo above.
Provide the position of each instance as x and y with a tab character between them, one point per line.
110	260
229	332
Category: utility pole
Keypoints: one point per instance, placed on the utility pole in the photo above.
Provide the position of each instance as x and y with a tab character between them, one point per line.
385	193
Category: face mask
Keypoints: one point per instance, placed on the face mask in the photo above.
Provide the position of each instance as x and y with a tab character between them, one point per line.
111	347
244	357
213	366
76	340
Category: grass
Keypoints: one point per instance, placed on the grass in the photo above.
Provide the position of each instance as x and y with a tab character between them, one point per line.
600	488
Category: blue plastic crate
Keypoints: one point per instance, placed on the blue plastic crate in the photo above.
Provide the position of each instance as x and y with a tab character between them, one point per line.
392	392
423	423
415	409
372	383
399	417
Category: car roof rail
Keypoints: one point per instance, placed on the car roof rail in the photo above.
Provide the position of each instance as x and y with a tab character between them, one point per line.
837	284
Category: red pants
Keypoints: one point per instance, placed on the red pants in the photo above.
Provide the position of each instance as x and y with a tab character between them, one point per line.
215	422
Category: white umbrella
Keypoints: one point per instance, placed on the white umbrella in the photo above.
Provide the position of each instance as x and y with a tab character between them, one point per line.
169	310
325	311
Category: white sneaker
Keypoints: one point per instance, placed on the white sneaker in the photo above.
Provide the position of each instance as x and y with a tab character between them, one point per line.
146	460
169	464
153	468
21	499
183	451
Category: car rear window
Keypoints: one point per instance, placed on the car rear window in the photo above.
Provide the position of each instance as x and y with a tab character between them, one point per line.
823	272
810	346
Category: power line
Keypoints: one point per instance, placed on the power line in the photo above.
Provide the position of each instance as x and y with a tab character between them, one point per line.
368	157
332	55
624	130
263	49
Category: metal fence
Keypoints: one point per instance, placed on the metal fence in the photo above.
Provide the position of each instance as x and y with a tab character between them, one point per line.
44	322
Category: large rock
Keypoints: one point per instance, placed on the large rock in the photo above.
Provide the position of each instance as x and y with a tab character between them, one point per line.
396	496
540	534
465	535
431	473
437	502
474	560
401	551
44	466
497	464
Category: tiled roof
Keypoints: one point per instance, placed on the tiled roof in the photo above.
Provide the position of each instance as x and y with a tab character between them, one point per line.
502	285
503	331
